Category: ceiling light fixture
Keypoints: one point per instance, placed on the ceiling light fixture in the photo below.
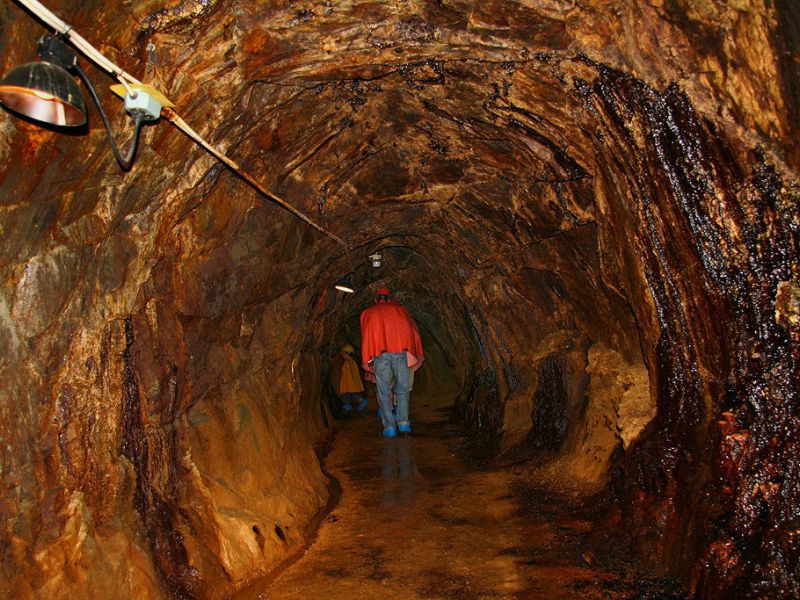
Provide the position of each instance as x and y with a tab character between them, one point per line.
376	259
345	284
46	92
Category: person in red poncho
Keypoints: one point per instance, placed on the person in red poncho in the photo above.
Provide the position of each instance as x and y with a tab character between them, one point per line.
390	345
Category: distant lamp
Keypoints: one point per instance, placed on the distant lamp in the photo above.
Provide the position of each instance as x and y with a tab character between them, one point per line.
46	92
345	284
376	259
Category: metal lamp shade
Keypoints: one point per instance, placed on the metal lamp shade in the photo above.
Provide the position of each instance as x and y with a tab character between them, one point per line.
44	92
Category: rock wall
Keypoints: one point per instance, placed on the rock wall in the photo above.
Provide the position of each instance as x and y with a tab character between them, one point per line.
175	447
716	226
591	207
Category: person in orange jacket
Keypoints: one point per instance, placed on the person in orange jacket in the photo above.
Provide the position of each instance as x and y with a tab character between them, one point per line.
390	345
347	382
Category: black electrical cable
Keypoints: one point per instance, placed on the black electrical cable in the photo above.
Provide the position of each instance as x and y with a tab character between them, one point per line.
125	161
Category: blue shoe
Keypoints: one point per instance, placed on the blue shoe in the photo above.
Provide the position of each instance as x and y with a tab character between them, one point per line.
362	405
347	407
389	432
404	428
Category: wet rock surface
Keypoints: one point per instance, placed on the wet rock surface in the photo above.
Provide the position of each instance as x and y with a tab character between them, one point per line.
426	517
591	208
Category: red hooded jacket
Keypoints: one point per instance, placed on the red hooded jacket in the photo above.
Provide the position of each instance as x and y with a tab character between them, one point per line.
387	327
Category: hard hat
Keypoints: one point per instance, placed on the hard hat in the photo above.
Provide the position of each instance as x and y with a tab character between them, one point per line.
348	348
383	291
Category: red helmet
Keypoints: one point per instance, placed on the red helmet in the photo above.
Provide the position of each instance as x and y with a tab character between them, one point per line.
383	291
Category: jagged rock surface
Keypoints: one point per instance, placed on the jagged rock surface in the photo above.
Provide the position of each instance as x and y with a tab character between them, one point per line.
591	208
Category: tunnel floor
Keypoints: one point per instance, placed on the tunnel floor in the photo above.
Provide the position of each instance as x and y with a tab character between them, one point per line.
420	517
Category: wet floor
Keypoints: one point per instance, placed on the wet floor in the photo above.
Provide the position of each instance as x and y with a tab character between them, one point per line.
418	519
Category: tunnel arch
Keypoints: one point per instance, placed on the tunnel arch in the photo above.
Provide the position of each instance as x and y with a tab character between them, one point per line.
616	229
419	286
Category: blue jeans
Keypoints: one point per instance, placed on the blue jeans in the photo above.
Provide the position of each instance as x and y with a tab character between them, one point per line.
385	366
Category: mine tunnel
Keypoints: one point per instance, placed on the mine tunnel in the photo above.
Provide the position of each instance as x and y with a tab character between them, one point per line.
589	208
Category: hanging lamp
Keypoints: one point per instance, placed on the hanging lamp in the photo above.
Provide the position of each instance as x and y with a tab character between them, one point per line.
345	284
46	92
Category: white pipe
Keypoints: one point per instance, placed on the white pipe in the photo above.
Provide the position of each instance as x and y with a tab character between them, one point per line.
44	14
176	120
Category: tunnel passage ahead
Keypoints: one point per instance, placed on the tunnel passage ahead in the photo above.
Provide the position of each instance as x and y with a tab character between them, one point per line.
598	202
